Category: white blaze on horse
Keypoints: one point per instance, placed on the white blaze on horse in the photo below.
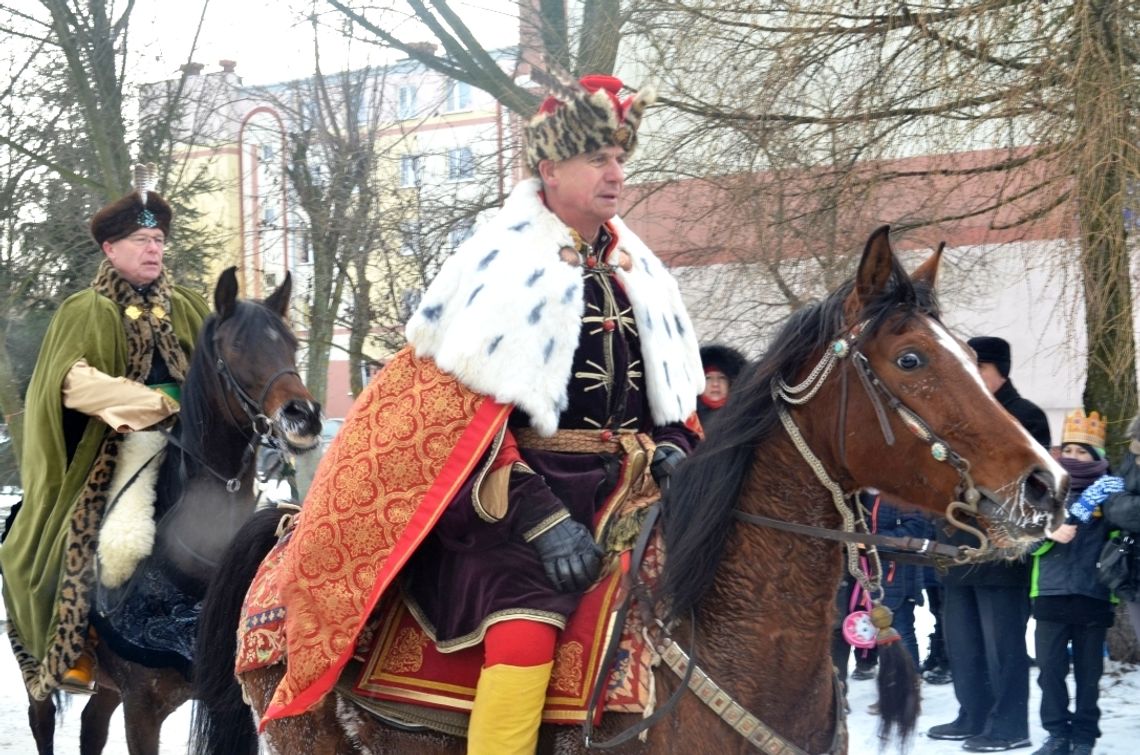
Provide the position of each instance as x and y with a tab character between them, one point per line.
865	389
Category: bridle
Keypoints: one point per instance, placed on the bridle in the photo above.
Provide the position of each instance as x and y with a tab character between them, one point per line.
261	425
846	348
260	422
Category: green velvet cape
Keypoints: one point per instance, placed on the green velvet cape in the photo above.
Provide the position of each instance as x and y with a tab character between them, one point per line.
87	326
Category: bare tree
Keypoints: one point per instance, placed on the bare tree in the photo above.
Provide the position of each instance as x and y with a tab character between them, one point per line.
1049	86
65	151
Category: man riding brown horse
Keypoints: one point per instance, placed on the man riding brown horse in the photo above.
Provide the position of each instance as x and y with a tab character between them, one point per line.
569	347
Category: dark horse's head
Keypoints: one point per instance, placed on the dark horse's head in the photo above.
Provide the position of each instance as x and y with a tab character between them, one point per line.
250	349
241	387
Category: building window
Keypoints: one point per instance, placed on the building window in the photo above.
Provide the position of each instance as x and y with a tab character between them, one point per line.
460	164
410	238
408	108
303	246
460	232
411	170
458	96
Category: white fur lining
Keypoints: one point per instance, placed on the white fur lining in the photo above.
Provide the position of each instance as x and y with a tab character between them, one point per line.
126	536
504	315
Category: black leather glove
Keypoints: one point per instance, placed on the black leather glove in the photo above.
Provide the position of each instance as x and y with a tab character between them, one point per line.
665	460
569	555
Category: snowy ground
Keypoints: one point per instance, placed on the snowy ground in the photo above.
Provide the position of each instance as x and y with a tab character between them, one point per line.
1119	703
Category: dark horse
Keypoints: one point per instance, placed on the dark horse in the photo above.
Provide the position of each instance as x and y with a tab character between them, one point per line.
865	389
242	387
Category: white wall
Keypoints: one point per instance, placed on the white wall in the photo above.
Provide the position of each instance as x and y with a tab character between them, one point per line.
1026	293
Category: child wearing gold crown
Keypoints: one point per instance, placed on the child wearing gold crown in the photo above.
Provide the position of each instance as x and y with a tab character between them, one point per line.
1082	455
1069	603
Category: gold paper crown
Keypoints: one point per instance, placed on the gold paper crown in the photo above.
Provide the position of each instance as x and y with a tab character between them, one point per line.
1084	429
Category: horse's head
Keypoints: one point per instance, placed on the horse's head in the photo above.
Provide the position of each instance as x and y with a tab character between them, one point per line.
255	356
918	423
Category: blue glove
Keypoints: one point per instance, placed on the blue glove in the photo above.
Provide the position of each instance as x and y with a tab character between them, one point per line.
569	555
1093	496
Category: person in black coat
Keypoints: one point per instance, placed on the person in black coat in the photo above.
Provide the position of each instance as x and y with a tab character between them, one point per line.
1122	512
986	606
722	365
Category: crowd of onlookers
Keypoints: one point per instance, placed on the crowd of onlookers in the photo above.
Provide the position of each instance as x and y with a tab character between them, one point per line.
982	610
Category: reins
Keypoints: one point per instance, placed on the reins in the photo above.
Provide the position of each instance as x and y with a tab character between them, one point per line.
938	553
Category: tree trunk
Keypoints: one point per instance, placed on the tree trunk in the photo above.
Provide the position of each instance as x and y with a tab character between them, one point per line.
11	402
361	325
1101	164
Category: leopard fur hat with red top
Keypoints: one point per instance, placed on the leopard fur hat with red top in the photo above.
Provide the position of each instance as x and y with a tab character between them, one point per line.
585	116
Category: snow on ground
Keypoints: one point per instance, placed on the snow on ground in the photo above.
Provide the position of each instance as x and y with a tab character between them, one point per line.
1119	704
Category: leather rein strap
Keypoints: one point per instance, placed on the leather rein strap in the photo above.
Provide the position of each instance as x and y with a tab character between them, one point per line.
937	552
596	695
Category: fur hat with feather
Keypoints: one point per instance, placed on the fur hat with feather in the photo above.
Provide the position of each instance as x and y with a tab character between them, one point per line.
142	208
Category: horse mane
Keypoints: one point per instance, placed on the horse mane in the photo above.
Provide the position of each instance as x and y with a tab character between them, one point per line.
702	495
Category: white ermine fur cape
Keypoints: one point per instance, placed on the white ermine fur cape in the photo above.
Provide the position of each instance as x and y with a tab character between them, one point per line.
504	314
126	536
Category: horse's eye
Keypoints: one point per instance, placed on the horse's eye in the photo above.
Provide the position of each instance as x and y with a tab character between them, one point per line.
910	360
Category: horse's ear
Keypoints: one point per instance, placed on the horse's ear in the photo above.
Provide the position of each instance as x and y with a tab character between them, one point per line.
278	301
225	294
927	272
874	273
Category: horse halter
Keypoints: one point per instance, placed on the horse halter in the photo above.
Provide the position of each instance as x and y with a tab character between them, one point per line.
841	349
260	423
254	410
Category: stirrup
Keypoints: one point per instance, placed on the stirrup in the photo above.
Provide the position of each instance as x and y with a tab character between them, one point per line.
80	678
72	684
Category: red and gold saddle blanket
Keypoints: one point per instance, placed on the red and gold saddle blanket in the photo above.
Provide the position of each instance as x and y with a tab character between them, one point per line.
407	445
403	665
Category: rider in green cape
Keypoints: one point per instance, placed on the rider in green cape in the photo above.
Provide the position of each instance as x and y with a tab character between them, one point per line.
111	362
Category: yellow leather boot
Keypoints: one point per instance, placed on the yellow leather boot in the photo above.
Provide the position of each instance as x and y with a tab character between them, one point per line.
80	678
508	709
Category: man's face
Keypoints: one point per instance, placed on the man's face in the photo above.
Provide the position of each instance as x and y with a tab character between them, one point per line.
991	377
138	257
585	190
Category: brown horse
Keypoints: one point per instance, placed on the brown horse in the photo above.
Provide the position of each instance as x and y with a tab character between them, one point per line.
242	388
865	389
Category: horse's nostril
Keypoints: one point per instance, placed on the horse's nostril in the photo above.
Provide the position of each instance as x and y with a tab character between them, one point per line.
1041	489
296	410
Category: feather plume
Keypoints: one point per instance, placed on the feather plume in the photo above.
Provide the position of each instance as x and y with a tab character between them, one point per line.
557	80
145	179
